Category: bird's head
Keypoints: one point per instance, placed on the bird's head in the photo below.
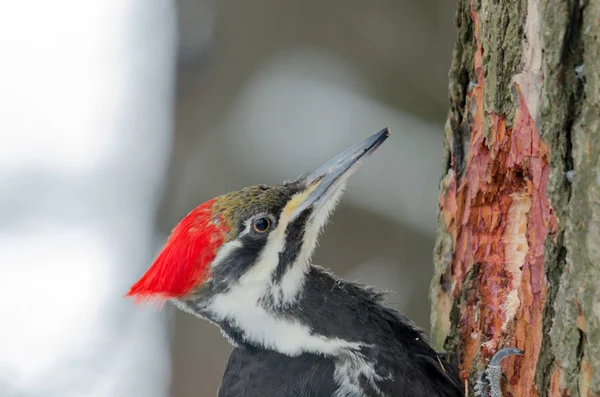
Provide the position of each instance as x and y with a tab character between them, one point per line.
259	238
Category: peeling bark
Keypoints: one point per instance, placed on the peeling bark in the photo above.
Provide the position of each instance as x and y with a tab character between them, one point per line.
517	258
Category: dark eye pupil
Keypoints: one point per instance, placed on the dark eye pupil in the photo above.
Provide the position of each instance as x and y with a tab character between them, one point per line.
262	225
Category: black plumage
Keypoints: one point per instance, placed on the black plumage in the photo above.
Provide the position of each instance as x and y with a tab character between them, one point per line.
298	330
335	308
256	372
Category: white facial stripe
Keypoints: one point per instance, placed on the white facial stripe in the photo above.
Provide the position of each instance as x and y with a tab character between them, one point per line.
263	269
259	277
225	250
247	226
240	306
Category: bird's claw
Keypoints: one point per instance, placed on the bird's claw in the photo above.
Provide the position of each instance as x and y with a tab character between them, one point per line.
488	383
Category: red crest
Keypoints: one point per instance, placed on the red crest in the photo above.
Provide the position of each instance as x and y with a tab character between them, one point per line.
184	260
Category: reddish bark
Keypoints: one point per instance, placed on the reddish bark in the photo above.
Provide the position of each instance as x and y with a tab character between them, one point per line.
498	216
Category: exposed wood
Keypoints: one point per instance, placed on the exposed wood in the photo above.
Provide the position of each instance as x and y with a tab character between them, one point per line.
517	258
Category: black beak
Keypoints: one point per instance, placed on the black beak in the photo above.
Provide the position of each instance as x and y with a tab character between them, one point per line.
328	178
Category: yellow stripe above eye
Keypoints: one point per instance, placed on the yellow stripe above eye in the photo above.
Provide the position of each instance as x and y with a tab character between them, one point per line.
295	202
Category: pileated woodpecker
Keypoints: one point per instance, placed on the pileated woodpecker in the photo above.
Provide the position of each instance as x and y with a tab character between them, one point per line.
242	261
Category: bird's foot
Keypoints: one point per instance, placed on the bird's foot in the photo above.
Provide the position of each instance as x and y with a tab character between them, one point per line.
488	383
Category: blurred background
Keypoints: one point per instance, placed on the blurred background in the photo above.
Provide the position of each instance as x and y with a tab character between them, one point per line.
119	117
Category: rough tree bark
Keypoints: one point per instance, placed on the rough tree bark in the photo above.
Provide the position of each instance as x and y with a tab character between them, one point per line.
517	257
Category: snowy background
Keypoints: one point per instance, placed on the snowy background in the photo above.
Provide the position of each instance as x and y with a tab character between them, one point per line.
118	117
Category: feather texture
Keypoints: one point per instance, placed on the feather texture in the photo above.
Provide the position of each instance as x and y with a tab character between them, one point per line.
184	260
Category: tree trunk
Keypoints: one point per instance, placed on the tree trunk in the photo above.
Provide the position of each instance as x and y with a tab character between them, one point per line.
517	258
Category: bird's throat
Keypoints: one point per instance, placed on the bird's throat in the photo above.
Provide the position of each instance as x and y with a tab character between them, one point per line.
312	323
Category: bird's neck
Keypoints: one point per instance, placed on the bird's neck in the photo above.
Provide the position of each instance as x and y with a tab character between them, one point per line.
319	320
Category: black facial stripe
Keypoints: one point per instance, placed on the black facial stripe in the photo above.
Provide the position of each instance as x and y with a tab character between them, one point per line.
293	244
240	259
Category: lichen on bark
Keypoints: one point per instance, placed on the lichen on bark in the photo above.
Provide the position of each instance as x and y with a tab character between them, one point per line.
573	354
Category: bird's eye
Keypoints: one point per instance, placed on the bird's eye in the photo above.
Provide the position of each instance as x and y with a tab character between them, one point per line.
261	225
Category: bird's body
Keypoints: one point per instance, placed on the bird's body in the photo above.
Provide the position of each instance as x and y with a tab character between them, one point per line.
255	372
242	261
367	350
